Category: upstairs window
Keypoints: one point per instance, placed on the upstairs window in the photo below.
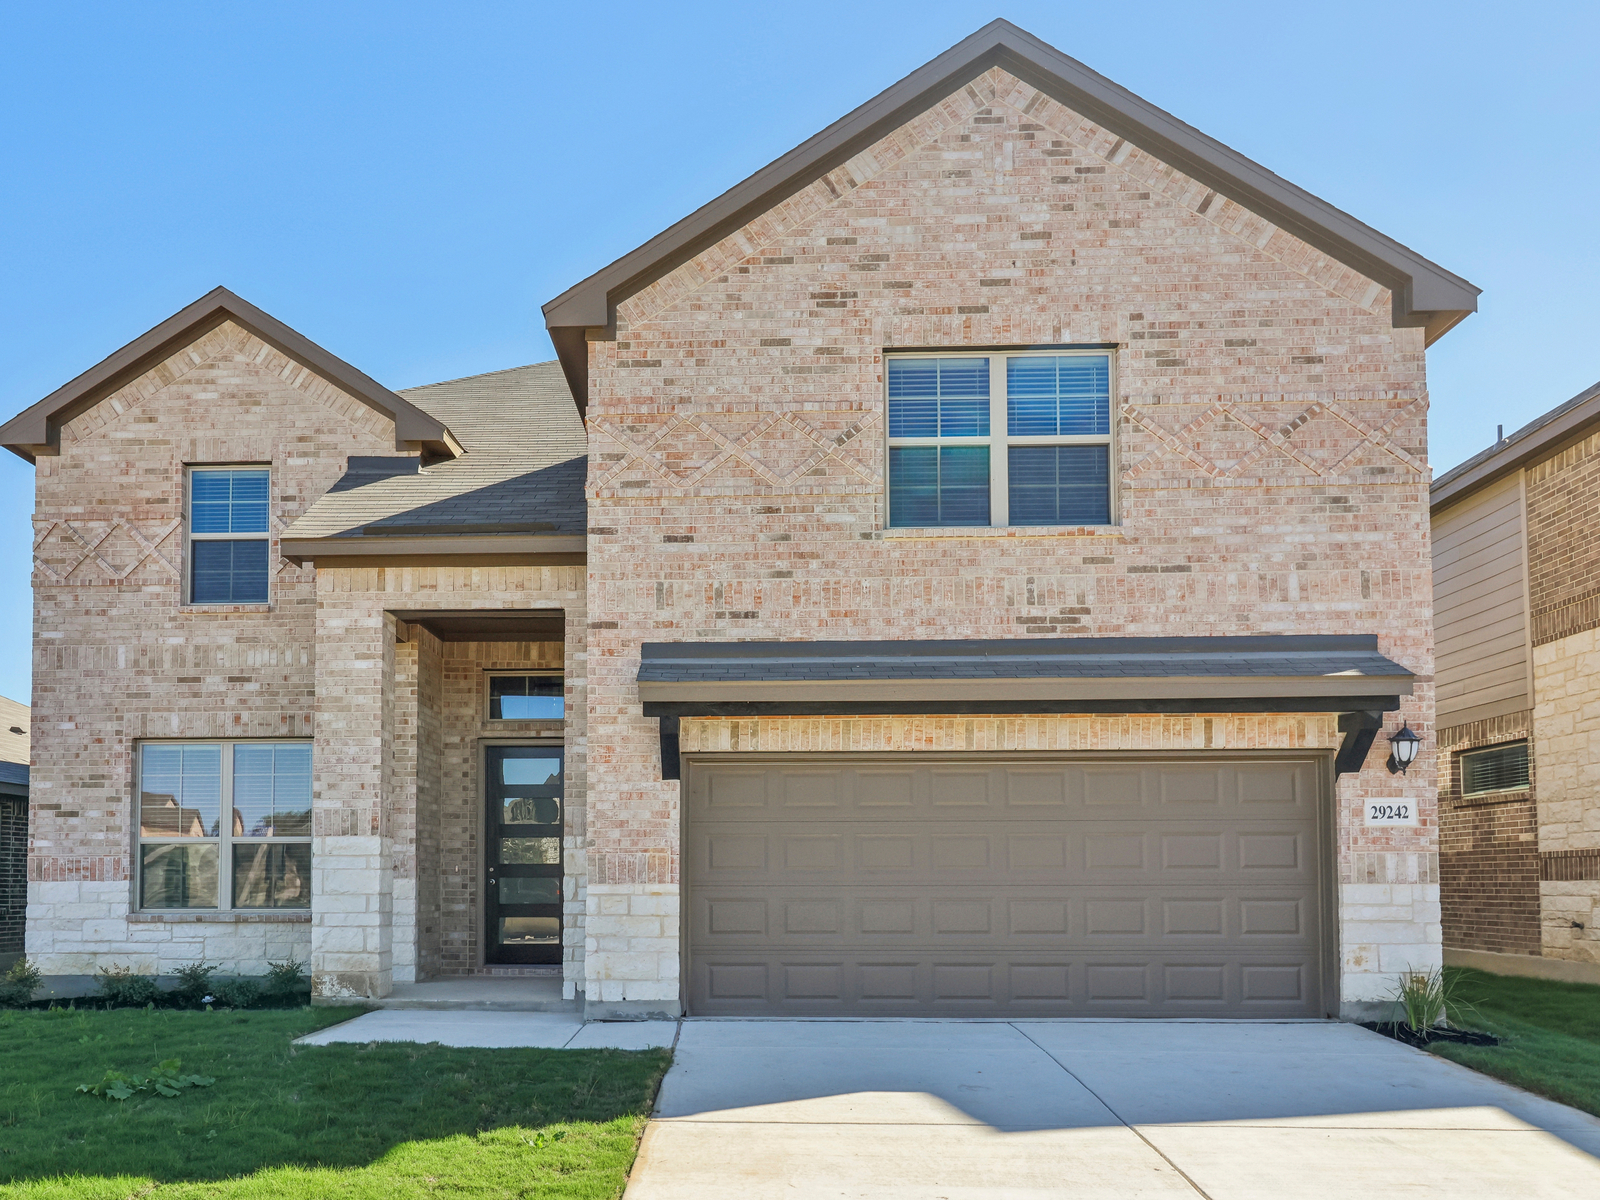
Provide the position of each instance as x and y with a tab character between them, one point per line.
228	535
992	439
1495	769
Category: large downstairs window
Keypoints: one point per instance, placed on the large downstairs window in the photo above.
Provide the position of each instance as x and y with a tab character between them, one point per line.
224	825
1000	438
228	535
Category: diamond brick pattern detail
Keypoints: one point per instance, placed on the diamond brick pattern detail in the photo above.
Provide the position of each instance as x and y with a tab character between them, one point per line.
683	452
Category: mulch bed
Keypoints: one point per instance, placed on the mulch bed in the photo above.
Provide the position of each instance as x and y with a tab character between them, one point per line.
1419	1038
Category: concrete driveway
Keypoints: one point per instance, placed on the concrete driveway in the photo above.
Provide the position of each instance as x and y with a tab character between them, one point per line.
954	1110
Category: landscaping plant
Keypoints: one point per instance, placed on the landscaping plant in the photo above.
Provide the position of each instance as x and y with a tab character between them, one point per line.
119	987
1429	999
18	985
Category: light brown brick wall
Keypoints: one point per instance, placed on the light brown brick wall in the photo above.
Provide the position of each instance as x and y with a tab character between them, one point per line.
1271	434
1564	542
118	657
1488	848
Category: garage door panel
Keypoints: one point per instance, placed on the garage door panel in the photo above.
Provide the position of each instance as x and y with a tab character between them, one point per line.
1107	790
781	853
1001	918
1004	886
961	983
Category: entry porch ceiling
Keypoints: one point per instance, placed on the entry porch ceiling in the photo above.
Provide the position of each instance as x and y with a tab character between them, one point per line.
489	624
1266	673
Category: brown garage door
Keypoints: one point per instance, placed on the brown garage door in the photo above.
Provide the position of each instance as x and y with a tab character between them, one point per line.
1004	886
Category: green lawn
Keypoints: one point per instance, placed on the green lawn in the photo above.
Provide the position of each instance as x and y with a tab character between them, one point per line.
387	1120
1550	1035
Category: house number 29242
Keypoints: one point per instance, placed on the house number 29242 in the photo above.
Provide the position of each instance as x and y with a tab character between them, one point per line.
1391	812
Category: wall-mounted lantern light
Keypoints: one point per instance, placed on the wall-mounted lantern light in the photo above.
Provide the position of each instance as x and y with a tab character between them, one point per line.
1402	749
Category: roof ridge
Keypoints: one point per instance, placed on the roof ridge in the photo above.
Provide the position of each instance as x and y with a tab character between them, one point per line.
421	387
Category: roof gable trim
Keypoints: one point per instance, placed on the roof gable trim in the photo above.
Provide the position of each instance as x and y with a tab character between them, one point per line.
1424	294
37	429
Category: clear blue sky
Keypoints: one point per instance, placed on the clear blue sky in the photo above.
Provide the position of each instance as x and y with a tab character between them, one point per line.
406	183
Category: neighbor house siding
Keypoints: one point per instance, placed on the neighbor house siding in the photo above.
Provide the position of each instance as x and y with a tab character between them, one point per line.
1480	614
1271	439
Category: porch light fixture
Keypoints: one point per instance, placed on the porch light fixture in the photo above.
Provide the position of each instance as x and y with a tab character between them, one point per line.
1402	749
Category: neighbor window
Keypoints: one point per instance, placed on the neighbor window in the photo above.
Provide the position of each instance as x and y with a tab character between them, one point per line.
527	697
1021	438
228	535
1496	769
225	825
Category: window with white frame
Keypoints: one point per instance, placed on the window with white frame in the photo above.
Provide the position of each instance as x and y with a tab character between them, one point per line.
229	539
224	825
1000	438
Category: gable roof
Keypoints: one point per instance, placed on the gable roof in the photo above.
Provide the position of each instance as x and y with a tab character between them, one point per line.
1425	294
37	429
1535	441
516	488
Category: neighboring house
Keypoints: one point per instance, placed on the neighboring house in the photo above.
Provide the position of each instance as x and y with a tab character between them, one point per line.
14	724
1516	553
962	569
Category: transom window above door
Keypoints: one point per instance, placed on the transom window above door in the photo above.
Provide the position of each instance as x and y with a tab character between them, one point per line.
1000	438
527	697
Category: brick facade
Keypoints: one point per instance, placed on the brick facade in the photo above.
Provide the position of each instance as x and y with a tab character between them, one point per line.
1564	542
1488	848
13	872
1272	447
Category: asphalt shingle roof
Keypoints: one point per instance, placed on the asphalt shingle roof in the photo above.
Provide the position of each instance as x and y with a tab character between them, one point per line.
523	470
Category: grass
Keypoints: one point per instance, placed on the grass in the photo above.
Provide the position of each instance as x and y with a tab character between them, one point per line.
283	1121
1549	1031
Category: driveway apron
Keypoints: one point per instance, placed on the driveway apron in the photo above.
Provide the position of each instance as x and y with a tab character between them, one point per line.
956	1110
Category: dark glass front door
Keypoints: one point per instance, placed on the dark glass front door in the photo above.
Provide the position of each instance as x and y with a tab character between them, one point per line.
524	805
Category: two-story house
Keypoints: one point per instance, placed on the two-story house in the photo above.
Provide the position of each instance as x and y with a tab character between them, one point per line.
1516	558
963	569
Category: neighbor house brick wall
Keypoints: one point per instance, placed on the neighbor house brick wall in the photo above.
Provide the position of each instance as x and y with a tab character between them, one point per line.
1271	453
1566	725
1488	847
13	872
1564	542
119	657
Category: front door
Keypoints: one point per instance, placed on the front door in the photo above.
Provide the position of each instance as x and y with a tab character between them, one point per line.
524	805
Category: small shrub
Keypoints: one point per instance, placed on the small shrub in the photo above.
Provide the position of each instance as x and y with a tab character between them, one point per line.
163	1080
121	988
18	985
194	983
235	993
1428	999
286	980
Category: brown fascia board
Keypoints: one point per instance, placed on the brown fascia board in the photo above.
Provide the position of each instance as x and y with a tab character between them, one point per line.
37	429
1065	688
1425	294
367	550
1535	441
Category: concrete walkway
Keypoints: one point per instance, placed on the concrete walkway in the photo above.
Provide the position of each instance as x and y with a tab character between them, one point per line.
554	1031
930	1110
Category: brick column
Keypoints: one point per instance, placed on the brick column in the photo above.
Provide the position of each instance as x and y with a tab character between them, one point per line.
352	875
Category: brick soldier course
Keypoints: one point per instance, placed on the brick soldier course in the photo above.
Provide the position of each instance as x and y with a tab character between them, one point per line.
1271	478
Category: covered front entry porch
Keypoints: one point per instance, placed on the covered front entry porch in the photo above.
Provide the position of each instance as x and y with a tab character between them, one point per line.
448	806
